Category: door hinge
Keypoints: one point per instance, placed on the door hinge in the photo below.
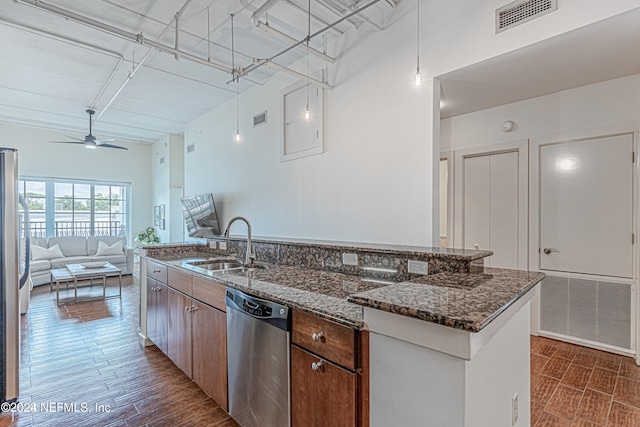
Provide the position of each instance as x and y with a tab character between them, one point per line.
633	238
633	157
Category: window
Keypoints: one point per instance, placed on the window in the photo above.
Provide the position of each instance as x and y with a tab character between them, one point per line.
76	208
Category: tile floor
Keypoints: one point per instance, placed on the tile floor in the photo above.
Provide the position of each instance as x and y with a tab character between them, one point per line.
574	386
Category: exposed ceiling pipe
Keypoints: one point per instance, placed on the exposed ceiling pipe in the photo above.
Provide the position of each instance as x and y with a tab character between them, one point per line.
270	30
73	41
137	67
255	20
260	63
271	64
314	17
138	38
353	23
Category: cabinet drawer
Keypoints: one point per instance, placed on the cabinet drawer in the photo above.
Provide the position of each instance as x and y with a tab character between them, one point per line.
325	338
180	281
157	271
210	293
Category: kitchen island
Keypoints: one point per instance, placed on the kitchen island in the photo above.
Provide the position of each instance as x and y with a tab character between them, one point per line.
450	348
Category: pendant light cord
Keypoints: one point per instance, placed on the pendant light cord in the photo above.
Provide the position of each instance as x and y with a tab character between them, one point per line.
418	36
236	78
308	38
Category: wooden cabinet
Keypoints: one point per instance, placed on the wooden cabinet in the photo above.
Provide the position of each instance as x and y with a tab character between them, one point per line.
191	333
322	393
329	373
157	319
209	340
179	333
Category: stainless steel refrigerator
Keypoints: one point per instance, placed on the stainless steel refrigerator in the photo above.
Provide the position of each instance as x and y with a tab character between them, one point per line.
13	273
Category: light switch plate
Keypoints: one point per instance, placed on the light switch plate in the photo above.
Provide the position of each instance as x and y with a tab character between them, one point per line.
222	246
418	267
213	244
349	259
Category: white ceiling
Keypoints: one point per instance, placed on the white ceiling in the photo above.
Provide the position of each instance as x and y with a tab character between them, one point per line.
602	51
53	68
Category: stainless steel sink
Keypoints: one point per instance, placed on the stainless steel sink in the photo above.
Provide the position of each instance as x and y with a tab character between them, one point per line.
217	265
228	265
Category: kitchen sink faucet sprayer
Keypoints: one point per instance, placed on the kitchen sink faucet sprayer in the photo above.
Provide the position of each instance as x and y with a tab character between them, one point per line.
251	256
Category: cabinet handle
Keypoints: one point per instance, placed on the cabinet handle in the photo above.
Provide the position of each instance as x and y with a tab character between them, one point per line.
549	250
316	366
318	336
156	271
187	309
193	308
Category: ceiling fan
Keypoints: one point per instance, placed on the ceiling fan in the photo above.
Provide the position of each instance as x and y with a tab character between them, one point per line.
90	141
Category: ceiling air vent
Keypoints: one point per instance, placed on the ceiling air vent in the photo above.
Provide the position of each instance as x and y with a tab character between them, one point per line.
191	148
519	12
260	119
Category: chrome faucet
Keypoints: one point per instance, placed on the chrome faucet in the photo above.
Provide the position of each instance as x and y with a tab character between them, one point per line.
251	256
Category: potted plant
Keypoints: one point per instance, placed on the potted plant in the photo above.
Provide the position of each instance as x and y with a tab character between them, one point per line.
147	236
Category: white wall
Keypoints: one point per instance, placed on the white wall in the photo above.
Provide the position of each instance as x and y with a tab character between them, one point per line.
167	169
597	106
39	158
378	176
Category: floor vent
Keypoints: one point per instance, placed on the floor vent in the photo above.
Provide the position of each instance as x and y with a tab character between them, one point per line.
591	310
260	119
517	13
191	148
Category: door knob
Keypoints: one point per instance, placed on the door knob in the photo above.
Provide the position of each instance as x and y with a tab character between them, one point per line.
549	250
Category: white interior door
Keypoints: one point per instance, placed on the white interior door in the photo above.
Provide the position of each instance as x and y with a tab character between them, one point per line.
491	203
586	206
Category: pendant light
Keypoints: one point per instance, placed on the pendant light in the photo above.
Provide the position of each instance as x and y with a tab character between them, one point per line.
418	75
307	113
236	79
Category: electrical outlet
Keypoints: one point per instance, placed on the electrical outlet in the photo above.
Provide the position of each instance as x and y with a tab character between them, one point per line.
222	246
350	259
418	267
514	410
213	244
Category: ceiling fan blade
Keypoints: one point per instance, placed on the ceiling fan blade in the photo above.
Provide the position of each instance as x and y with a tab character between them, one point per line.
101	141
112	146
67	142
71	137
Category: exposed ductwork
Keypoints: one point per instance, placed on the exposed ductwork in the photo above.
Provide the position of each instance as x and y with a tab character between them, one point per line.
255	20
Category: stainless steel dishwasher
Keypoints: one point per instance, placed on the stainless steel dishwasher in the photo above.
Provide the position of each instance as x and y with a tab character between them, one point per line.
258	339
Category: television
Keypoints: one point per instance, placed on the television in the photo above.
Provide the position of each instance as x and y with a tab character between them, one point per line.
200	216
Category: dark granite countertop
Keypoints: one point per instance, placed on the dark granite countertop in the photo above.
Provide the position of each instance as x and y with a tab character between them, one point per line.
459	300
320	292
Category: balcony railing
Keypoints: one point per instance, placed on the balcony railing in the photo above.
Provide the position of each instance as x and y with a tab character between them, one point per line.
38	229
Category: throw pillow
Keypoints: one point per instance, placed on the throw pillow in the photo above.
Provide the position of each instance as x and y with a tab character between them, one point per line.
104	249
38	252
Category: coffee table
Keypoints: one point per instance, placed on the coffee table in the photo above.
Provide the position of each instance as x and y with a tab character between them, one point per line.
86	271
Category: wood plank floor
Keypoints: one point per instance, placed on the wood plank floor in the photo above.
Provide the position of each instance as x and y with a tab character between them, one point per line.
574	386
87	356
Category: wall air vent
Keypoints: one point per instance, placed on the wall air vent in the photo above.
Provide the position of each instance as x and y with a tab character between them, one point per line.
191	148
519	12
161	160
260	119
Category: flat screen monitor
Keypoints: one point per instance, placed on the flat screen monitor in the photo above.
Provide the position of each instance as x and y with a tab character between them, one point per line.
200	216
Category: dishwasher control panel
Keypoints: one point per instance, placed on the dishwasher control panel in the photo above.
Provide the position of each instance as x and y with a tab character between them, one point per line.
256	307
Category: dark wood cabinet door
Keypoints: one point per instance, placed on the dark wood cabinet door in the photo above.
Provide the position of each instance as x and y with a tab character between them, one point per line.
162	317
322	397
179	332
152	308
209	341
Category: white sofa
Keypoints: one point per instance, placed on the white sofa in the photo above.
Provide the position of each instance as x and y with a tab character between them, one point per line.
77	250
